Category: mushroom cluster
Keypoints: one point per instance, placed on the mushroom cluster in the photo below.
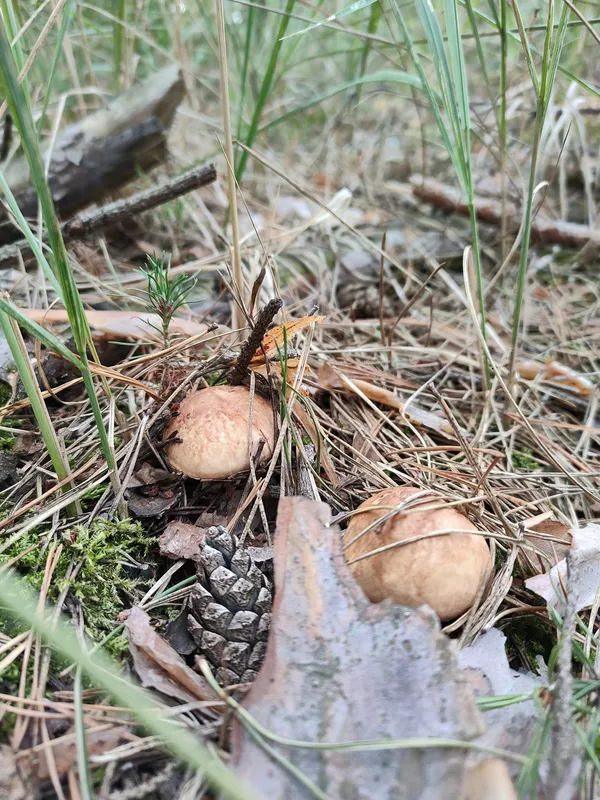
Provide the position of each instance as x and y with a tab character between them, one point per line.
213	435
444	570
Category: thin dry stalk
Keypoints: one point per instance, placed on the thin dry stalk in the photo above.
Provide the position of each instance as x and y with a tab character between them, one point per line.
239	313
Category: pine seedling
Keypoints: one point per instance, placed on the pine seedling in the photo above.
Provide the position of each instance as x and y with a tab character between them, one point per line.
165	296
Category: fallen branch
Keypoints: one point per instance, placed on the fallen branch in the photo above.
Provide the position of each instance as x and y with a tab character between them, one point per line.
544	230
103	151
90	222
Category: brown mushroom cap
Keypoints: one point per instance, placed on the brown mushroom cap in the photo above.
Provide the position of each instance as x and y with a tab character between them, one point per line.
213	427
445	572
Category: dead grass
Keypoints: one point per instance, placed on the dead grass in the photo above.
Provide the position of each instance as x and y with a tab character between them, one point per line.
508	464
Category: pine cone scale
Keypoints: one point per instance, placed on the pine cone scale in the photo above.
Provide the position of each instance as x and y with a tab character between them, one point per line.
229	608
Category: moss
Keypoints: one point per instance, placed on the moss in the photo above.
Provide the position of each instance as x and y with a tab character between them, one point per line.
5	393
528	637
523	459
103	584
94	493
8	439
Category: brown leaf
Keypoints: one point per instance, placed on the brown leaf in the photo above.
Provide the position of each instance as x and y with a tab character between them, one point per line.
341	669
274	338
33	762
329	379
490	780
127	324
556	374
552	537
181	540
158	665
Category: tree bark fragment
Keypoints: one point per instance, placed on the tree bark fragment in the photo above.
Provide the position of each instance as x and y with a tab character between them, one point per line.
104	151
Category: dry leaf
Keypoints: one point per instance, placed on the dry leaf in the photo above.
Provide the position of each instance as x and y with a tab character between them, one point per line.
329	379
490	780
181	540
339	668
551	585
158	665
139	325
275	368
486	668
274	339
557	374
550	536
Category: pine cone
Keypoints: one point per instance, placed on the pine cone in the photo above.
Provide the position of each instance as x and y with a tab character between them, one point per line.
230	609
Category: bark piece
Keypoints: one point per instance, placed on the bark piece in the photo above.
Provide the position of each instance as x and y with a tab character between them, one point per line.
181	540
104	150
136	325
339	669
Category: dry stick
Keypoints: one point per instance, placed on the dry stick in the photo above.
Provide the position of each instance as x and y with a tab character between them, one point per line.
238	320
562	758
544	229
404	311
238	374
92	221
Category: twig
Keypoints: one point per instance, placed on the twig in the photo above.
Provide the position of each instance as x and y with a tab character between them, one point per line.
543	229
110	214
238	373
563	758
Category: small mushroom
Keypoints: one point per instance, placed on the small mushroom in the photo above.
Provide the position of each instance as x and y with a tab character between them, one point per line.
211	432
443	571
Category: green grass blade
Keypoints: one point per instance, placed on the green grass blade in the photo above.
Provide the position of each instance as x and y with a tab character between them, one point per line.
21	358
245	68
9	18
374	18
454	125
66	18
425	83
375	77
20	109
588	87
47	339
480	54
119	41
265	89
15	596
32	241
357	6
552	50
86	786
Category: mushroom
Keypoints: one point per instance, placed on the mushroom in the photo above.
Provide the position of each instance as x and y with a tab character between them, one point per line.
443	571
211	432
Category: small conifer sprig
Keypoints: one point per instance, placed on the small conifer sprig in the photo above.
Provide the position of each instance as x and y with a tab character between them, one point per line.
165	296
